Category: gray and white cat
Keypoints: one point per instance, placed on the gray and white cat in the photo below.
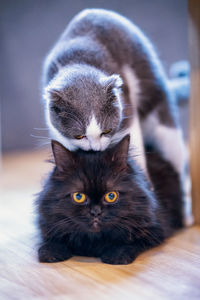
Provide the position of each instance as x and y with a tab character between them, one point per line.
103	80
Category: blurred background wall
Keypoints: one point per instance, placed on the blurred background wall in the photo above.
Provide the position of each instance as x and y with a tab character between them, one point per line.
28	30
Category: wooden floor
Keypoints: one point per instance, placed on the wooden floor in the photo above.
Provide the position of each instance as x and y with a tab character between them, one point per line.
171	271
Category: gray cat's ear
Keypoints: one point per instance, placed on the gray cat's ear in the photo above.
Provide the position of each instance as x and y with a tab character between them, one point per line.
112	85
53	95
115	81
64	159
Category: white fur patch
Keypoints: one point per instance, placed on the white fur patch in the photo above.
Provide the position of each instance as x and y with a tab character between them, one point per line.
137	144
93	134
93	129
167	139
133	85
170	142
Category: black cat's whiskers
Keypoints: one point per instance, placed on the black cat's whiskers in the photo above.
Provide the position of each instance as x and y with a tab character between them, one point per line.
127	223
57	228
139	228
122	228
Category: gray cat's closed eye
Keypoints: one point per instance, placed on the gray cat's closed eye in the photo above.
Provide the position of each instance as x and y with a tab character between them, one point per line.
106	131
79	137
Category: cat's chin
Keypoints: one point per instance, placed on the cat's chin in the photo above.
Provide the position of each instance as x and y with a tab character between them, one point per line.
95	227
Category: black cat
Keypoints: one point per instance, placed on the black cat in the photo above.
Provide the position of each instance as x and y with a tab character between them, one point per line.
99	204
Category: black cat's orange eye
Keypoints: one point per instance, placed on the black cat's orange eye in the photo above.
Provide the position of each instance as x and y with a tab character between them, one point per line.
79	197
111	197
79	137
106	131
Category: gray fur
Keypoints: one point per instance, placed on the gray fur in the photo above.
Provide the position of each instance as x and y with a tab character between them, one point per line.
78	72
84	89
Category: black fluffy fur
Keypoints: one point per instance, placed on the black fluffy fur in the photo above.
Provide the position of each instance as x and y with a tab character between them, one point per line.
116	233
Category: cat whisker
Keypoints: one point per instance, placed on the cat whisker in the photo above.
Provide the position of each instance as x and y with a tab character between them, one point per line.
40	137
58	228
40	128
42	141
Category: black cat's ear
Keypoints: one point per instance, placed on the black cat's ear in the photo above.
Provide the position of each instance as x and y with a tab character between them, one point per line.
64	159
121	149
119	153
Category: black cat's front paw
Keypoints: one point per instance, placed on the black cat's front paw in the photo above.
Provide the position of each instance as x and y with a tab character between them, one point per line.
119	255
53	253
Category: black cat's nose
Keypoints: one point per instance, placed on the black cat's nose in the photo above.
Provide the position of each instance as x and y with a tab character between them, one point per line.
95	210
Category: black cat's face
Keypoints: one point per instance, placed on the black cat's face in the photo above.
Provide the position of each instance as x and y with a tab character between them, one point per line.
95	191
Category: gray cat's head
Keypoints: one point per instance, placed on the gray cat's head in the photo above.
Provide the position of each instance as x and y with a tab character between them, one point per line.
84	107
